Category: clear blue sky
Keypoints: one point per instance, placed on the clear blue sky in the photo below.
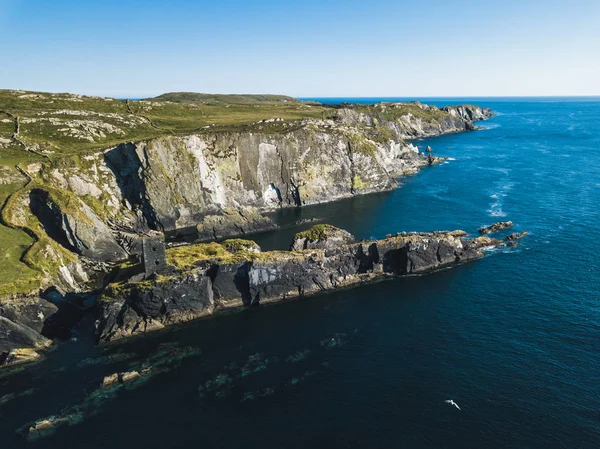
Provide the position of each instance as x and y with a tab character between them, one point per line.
139	48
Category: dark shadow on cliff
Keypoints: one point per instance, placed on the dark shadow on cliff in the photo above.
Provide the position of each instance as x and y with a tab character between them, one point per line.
50	218
72	308
367	261
127	168
241	281
396	261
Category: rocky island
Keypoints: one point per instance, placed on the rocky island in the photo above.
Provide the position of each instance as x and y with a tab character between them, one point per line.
84	180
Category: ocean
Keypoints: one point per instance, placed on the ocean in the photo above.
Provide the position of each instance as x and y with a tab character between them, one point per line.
513	339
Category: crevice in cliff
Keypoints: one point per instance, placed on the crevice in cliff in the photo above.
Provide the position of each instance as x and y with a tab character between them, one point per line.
241	280
352	173
52	220
292	188
130	174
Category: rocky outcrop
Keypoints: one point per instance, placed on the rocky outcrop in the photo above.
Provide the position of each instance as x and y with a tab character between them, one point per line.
469	112
496	227
209	278
414	120
78	228
21	324
512	240
321	237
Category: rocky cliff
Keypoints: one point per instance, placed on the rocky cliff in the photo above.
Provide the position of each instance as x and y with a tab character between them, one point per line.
85	211
208	277
218	183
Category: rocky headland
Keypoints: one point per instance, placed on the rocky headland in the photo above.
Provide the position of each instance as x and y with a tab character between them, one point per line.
203	278
88	178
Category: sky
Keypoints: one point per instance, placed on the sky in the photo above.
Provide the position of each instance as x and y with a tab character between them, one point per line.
302	48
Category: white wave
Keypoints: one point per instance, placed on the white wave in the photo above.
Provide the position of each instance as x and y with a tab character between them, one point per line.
496	210
451	159
501	249
490	126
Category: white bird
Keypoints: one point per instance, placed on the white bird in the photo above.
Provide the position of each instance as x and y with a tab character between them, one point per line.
451	402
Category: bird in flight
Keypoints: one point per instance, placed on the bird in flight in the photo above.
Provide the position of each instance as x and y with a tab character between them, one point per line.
451	402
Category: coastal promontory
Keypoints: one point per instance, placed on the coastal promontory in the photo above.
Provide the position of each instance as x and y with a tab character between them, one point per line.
83	180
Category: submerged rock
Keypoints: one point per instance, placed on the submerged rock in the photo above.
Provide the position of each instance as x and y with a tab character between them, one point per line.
217	279
516	236
110	380
501	225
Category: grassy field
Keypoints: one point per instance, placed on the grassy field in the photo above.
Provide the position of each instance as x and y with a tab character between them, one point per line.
215	100
58	124
15	275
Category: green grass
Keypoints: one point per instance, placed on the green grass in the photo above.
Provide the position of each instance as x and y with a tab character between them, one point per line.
15	275
317	232
43	118
219	99
393	111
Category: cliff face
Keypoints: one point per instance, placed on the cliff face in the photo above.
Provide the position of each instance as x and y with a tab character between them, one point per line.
21	324
217	183
210	278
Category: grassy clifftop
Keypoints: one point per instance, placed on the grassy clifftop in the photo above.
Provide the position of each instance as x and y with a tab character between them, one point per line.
221	99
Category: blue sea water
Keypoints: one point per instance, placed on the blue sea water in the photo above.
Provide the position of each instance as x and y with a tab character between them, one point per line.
513	339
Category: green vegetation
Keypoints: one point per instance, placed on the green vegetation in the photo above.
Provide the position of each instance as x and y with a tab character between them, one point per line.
237	245
30	258
220	99
362	145
16	275
59	124
192	256
185	257
393	111
317	232
358	183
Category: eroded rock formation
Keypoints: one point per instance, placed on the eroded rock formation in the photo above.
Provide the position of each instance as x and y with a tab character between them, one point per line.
208	277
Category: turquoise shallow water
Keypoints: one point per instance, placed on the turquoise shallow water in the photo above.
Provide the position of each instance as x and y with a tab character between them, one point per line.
513	338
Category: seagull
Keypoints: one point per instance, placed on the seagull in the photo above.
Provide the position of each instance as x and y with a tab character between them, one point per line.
451	402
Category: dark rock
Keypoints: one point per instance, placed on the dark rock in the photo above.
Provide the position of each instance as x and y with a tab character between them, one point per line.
271	276
469	113
501	225
79	229
321	237
516	236
21	324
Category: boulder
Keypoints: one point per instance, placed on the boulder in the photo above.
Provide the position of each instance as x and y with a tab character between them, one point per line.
516	236
110	380
321	236
496	227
